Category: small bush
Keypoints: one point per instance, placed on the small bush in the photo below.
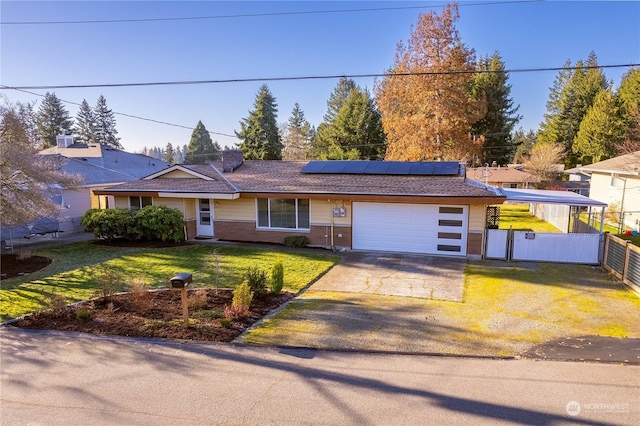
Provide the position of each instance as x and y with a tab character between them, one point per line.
109	281
198	300
242	295
109	223
277	277
296	241
56	302
235	312
84	315
225	322
141	295
24	254
257	280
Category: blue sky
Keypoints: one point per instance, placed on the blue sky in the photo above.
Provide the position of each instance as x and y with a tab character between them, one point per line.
527	35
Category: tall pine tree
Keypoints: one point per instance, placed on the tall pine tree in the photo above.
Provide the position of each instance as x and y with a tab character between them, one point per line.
501	117
105	122
201	148
169	155
297	136
52	120
85	124
259	132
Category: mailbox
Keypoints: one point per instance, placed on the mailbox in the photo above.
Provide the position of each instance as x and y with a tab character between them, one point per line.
181	280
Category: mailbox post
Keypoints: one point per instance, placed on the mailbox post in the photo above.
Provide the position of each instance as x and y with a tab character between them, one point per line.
181	281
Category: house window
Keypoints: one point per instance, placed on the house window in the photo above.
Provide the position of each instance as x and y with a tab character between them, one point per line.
287	213
510	185
136	203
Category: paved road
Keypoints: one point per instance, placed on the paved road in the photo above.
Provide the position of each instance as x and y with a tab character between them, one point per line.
62	379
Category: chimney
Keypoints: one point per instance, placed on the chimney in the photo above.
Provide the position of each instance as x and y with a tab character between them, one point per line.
63	141
231	160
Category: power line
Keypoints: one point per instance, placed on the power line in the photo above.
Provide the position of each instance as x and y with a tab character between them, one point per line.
255	15
137	117
314	77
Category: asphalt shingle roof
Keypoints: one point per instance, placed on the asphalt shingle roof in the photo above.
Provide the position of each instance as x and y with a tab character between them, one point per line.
623	163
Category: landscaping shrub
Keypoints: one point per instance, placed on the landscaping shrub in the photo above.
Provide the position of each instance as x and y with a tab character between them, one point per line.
257	280
198	299
242	297
141	295
277	277
56	302
108	281
84	314
108	223
149	223
158	223
296	241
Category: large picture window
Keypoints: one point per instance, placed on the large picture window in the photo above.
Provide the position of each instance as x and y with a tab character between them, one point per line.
136	203
288	213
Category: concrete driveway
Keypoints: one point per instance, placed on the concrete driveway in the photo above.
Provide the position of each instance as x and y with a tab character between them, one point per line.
396	274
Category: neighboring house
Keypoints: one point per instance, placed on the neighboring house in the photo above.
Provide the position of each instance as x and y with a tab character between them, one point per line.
503	177
578	187
369	205
100	166
617	182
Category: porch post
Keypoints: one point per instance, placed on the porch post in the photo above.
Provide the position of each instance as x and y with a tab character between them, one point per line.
602	220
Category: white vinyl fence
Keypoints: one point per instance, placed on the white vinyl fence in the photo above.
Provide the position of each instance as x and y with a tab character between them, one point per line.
543	247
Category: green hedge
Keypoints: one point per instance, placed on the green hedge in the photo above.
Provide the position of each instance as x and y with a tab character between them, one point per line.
150	223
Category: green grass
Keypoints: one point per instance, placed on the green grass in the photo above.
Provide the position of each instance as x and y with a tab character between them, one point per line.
73	270
518	217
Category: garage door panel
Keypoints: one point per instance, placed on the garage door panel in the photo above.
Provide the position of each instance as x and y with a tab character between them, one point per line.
414	228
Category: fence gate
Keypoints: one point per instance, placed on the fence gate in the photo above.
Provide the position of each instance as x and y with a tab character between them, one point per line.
497	246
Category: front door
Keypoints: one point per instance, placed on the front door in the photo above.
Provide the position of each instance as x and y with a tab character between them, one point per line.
205	218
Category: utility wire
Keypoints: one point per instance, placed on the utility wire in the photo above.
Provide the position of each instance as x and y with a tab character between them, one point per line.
315	77
255	15
137	117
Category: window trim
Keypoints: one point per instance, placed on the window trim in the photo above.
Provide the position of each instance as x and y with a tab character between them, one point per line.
139	206
297	215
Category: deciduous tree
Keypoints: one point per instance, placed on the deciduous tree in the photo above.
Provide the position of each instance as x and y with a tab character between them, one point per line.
543	158
259	132
26	177
427	110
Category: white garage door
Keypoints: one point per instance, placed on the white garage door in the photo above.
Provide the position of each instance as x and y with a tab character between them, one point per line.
413	228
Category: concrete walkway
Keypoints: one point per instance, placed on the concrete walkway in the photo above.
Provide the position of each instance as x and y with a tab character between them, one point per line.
396	274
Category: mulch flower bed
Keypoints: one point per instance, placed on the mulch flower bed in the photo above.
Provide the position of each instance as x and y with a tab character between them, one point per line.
12	265
155	314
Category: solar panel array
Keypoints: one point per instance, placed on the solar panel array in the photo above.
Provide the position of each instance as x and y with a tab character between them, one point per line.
416	168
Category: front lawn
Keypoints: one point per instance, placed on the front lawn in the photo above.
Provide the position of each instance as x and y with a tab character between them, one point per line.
72	274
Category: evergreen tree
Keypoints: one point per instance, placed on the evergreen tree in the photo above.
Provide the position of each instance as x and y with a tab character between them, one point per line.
53	120
524	142
338	97
576	96
429	114
501	116
201	148
259	132
29	118
105	124
601	128
85	124
169	155
628	96
298	134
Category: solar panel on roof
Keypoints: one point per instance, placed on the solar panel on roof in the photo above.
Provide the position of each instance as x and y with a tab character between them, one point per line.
377	168
422	169
399	168
446	168
355	167
333	167
313	167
